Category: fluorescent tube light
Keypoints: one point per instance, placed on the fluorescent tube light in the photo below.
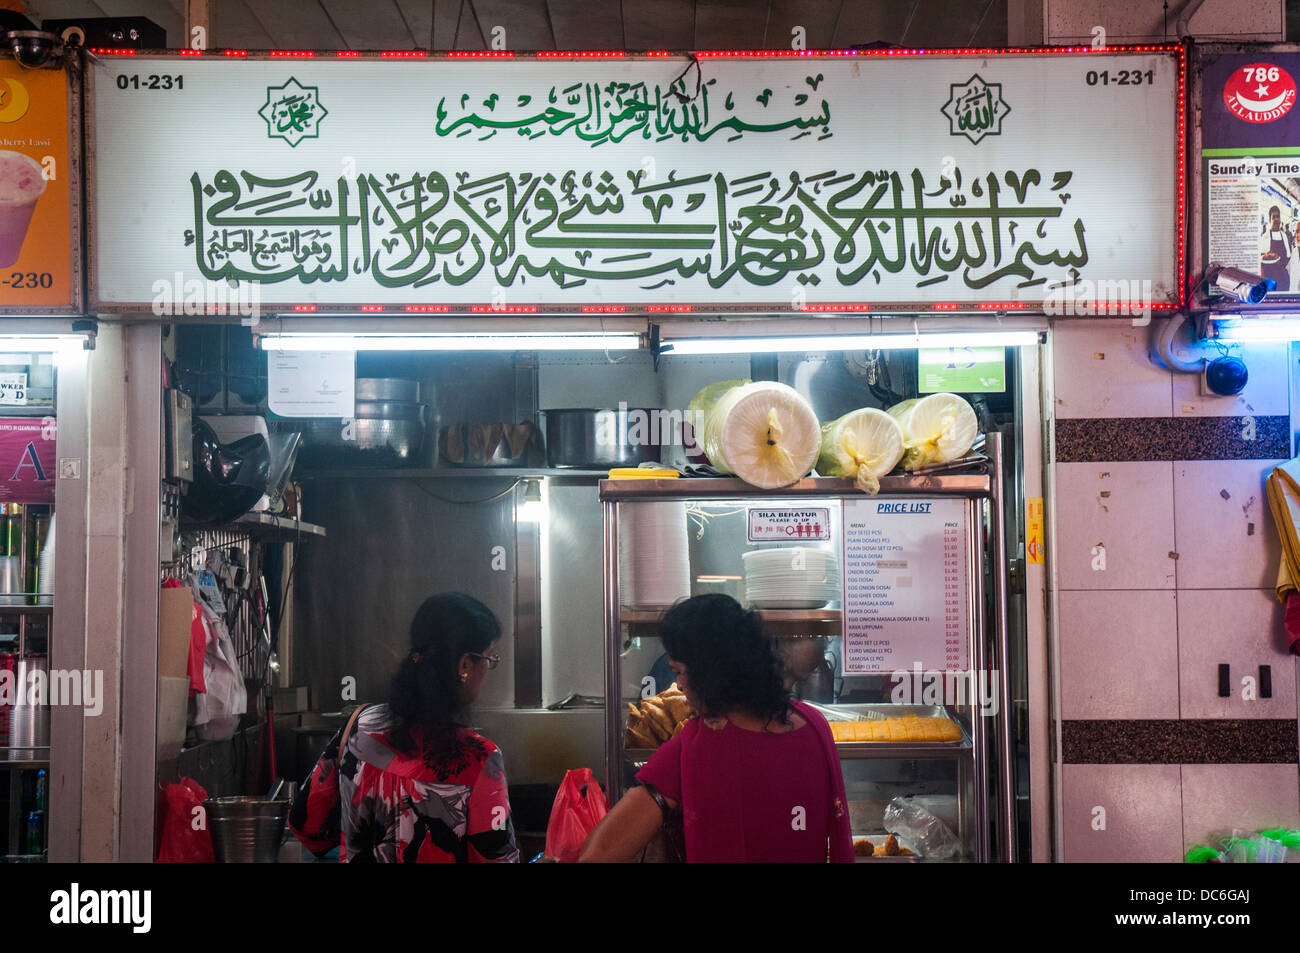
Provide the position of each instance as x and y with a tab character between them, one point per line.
449	341
1258	329
849	342
41	343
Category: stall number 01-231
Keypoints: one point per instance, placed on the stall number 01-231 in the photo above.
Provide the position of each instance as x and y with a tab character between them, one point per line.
153	81
1122	77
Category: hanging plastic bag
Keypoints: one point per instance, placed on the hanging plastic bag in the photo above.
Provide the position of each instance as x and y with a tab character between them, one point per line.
579	806
216	712
180	842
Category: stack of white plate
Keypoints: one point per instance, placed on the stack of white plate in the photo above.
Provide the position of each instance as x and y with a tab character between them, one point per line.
791	577
654	554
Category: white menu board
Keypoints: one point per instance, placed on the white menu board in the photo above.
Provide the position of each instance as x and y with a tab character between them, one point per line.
905	585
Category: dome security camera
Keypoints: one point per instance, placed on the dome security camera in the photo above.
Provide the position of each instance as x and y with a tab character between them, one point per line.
34	48
73	36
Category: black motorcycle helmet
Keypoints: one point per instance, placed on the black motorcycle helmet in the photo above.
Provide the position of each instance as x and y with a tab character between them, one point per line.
228	478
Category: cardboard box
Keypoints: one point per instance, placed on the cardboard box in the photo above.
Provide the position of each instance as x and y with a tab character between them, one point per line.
175	614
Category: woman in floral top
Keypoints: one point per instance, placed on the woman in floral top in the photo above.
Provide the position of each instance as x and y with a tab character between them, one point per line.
414	784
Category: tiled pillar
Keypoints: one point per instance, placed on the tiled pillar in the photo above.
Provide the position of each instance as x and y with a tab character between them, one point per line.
1164	556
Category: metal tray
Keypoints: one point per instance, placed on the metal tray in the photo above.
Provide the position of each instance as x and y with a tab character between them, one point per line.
883	711
879	837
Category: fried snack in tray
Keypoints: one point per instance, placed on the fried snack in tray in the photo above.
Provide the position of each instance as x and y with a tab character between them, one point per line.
909	728
657	719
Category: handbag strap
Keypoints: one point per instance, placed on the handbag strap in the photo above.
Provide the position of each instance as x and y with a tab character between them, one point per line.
347	731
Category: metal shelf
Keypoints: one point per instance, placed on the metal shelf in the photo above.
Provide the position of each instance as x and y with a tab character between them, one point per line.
707	488
454	473
262	526
26	610
783	623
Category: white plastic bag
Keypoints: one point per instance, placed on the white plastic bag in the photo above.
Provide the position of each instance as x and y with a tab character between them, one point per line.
216	712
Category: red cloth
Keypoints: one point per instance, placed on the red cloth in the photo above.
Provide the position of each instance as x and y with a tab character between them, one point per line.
198	644
754	796
1291	621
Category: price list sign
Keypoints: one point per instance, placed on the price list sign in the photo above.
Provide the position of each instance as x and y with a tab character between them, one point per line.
906	587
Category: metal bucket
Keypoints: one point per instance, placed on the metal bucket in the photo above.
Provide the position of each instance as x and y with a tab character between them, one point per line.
246	830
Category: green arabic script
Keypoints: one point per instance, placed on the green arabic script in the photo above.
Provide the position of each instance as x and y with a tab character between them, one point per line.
611	112
567	228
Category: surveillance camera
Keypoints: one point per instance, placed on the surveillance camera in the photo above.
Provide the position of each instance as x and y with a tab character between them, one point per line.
34	48
1247	287
73	36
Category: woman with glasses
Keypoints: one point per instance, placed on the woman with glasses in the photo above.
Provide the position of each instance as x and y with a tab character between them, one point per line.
413	783
754	777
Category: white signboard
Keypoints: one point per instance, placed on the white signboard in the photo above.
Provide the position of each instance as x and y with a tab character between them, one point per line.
789	523
906	589
770	184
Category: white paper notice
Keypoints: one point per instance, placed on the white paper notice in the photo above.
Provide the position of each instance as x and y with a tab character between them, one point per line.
311	383
13	389
905	585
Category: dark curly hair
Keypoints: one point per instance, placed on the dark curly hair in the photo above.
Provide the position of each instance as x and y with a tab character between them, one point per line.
427	692
730	660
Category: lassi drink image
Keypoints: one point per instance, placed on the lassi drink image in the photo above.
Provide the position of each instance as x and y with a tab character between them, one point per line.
21	184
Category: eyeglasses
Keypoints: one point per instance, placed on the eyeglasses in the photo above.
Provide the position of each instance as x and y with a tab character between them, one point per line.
492	660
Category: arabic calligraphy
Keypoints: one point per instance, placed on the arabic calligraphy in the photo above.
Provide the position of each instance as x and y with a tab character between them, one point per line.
614	111
417	229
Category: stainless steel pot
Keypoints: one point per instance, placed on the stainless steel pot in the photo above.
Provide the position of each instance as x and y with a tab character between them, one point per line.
387	428
387	388
588	439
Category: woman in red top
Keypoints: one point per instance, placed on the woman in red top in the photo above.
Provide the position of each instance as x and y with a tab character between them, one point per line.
415	784
756	776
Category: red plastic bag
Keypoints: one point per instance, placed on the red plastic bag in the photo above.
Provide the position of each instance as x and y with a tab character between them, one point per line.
180	843
579	806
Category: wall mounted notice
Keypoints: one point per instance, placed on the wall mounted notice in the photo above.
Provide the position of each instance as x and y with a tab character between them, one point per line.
766	525
905	585
311	383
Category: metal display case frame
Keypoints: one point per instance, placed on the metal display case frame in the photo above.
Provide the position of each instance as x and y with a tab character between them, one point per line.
985	758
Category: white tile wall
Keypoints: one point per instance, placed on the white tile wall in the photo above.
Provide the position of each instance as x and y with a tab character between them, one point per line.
1241	628
1101	369
1118	654
1216	549
1252	797
1143	813
1126	508
1266	392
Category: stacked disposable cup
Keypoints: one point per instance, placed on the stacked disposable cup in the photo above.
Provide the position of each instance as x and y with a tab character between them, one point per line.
654	554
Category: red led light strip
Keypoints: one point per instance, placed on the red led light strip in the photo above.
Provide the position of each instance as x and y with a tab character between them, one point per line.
426	307
106	51
580	54
236	52
673	308
604	308
1181	198
372	307
503	309
347	54
835	307
481	54
304	307
189	52
402	54
292	53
